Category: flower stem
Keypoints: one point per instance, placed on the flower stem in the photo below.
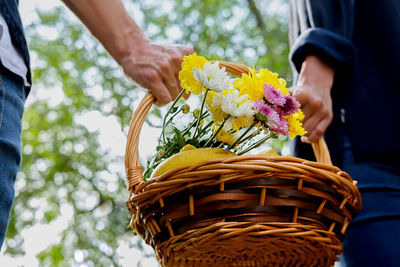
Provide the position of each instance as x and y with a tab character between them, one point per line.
216	132
201	113
243	135
257	144
192	124
207	126
246	138
168	112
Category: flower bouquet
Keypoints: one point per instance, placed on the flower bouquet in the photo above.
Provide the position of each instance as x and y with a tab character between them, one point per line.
209	198
235	115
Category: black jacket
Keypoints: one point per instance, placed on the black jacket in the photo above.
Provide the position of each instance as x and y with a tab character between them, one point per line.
361	39
9	10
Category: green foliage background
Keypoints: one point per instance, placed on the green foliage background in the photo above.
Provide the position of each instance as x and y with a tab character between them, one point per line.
64	165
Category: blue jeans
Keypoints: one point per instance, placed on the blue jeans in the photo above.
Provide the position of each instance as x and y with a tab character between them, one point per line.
12	100
373	239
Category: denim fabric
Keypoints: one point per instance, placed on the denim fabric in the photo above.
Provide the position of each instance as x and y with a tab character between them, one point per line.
373	239
9	10
12	99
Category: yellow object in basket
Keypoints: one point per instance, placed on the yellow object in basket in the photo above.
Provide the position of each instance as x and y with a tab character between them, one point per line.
190	155
270	153
187	147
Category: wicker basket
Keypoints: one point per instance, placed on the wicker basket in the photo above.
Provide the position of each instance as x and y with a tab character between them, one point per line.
241	211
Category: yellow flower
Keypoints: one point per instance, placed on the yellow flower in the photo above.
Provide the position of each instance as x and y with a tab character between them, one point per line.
295	124
188	82
217	114
250	85
210	96
273	79
242	122
253	83
225	137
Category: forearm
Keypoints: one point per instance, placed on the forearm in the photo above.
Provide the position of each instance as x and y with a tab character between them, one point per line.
152	66
109	22
315	71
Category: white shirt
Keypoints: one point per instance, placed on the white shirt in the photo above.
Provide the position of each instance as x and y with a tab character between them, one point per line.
9	56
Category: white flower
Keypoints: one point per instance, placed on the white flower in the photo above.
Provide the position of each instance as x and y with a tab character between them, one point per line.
233	104
212	77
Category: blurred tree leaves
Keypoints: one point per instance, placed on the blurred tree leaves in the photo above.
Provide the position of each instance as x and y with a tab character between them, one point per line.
66	171
220	29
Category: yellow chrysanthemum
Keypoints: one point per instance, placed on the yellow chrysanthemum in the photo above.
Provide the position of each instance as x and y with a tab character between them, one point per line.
244	122
295	124
252	84
225	137
188	82
210	96
218	116
272	78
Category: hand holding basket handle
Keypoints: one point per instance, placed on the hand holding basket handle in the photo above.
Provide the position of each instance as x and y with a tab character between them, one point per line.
241	211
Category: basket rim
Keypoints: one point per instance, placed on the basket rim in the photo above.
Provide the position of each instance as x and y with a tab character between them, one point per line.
328	173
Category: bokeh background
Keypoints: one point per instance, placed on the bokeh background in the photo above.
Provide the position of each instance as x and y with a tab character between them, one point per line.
70	208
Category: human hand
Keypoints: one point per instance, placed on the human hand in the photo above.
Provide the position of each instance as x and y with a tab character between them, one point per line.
313	92
152	66
156	67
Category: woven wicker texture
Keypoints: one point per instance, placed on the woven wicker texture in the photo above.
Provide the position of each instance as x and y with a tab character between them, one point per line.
241	211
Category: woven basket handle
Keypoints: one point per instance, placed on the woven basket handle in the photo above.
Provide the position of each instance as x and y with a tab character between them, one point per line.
133	168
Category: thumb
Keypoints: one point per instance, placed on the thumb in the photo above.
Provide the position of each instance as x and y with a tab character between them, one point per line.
299	93
291	90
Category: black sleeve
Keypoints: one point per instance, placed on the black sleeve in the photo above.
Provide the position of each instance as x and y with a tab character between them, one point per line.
322	28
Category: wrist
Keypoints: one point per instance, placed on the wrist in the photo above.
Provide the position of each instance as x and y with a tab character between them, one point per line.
110	23
127	42
316	72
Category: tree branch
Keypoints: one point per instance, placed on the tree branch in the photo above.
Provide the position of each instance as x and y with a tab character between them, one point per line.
257	14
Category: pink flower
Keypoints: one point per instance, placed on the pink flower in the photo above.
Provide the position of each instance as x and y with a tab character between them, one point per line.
282	128
268	114
273	95
291	106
